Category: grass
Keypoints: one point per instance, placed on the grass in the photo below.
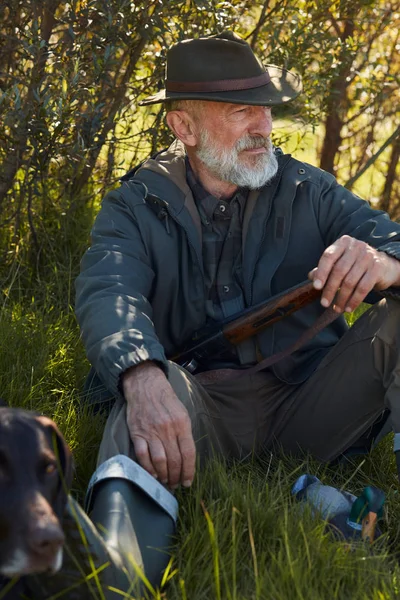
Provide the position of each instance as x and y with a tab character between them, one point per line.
265	547
241	535
42	367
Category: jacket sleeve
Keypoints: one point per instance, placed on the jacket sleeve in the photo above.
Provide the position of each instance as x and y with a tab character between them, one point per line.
112	292
340	212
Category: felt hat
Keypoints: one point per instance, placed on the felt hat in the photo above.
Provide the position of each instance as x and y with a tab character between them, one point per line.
223	68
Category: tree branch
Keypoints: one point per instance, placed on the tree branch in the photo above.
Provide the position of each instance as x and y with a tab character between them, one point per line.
373	158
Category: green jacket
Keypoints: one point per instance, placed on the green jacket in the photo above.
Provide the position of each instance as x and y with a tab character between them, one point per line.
140	293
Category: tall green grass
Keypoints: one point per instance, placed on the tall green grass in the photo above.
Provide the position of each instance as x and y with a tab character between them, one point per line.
241	535
43	367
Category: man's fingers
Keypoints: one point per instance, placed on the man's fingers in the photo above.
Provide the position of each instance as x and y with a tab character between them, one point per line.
330	256
355	286
142	454
342	266
345	275
156	418
163	460
312	274
174	462
365	285
159	459
188	452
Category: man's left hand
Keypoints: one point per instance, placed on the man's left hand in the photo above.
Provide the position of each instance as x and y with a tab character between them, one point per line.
351	268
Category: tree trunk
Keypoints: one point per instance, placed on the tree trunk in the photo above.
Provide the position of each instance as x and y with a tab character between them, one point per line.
385	203
337	105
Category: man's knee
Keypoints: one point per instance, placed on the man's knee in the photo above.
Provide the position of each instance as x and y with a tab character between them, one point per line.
388	314
184	386
210	433
381	322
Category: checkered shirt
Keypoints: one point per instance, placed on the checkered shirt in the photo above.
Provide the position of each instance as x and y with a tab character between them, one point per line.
222	248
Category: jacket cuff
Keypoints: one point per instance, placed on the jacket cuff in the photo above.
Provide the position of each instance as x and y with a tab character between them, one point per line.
392	249
134	358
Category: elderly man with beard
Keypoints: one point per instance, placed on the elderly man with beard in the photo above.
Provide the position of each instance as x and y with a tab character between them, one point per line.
221	221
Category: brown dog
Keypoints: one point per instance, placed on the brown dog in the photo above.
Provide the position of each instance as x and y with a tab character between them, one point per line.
35	474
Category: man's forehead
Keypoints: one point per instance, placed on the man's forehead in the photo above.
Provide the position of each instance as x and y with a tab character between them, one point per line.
222	107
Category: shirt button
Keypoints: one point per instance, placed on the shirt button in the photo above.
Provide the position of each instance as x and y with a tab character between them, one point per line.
226	288
222	208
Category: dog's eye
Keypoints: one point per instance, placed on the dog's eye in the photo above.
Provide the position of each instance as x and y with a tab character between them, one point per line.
49	468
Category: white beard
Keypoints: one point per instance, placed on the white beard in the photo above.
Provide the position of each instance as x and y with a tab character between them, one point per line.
228	166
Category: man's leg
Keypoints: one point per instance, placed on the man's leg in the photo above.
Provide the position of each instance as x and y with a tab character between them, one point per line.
225	416
352	386
229	419
134	513
202	411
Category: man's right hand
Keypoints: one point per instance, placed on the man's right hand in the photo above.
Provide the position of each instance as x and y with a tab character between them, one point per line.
159	426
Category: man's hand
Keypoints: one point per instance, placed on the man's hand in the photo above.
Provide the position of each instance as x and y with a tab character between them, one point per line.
159	426
356	268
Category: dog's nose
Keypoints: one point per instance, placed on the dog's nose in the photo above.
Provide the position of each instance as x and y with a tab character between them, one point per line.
46	539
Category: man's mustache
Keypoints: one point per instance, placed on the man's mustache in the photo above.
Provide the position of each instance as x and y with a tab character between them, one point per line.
251	142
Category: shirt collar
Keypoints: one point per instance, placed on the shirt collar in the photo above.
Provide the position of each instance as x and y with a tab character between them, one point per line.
200	193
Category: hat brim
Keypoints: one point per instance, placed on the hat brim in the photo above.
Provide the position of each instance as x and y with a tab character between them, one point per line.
283	87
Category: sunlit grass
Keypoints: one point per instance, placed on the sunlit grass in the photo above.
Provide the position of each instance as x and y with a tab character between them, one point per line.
241	535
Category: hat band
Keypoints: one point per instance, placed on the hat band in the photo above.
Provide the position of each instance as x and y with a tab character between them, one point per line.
226	85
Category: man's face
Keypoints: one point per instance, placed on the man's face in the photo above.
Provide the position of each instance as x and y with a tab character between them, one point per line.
234	143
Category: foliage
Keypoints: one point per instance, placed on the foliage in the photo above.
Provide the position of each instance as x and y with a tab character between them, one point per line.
348	54
72	73
68	74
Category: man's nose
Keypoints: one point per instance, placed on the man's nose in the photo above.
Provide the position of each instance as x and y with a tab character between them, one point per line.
262	123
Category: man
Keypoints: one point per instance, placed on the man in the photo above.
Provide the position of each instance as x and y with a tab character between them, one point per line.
219	222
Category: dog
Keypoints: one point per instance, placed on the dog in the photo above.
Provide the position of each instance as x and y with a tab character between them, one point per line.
35	475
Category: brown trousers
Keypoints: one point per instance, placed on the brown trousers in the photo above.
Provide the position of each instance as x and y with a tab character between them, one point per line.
355	382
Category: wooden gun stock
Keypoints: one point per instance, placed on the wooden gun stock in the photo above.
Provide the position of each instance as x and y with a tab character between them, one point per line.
275	309
245	325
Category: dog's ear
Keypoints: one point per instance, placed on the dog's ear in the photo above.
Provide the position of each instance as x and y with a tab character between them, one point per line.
64	456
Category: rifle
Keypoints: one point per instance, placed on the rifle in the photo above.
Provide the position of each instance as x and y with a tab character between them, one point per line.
212	341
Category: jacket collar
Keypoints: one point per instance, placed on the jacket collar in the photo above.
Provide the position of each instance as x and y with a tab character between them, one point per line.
171	185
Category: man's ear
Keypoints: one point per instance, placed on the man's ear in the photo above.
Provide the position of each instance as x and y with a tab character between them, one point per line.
183	126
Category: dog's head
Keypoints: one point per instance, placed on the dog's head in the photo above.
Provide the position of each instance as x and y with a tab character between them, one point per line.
35	474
